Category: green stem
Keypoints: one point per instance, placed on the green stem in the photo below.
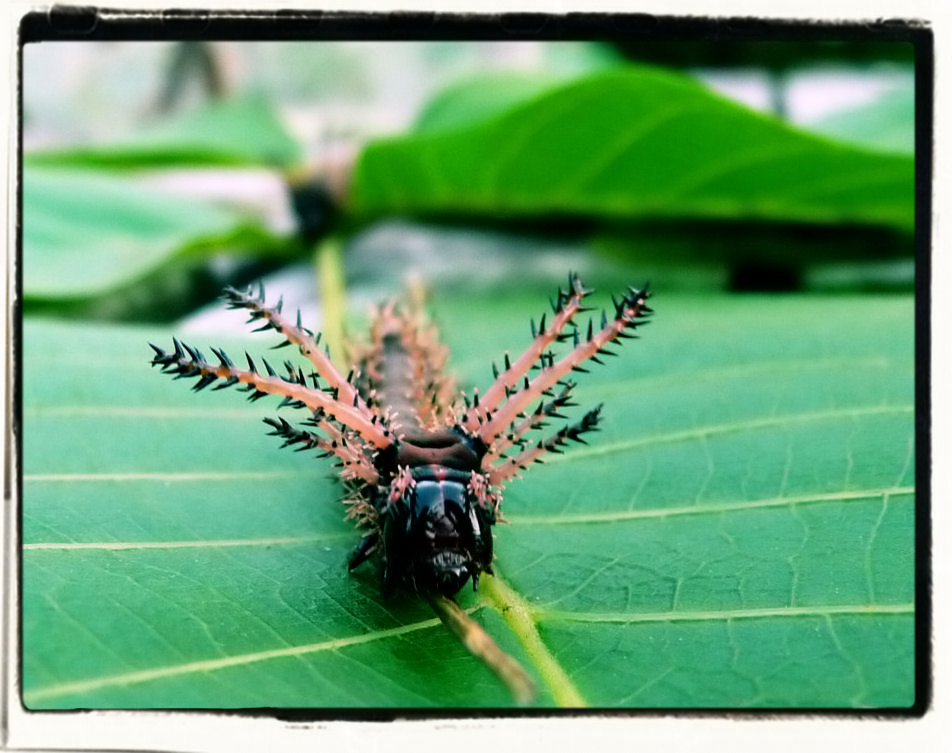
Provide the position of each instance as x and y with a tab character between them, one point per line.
483	647
518	615
331	285
513	608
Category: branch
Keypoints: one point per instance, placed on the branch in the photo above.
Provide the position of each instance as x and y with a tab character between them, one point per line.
483	647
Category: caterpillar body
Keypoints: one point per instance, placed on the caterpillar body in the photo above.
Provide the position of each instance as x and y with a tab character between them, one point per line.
423	466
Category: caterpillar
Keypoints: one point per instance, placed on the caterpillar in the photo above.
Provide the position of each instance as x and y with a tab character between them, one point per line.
423	466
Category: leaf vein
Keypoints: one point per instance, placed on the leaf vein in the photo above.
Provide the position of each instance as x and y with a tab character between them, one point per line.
701	432
711	509
825	611
162	476
126	545
212	665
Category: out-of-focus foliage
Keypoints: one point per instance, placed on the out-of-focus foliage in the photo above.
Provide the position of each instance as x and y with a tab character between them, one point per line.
615	147
90	233
626	144
244	131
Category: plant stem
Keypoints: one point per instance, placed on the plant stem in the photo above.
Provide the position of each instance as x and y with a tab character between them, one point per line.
331	285
482	646
518	614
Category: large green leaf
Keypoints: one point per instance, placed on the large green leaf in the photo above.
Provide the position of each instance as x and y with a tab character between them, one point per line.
632	143
86	233
740	534
241	131
468	101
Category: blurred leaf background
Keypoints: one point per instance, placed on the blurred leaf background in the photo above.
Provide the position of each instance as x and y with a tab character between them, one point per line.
740	534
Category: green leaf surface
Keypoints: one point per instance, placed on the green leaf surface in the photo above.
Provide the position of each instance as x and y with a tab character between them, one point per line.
244	131
628	144
87	233
489	95
739	534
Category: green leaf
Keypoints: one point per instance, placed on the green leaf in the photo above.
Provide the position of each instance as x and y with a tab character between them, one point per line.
243	131
627	144
480	98
475	98
739	534
86	233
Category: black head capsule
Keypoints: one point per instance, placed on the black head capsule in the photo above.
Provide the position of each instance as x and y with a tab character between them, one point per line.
436	535
437	538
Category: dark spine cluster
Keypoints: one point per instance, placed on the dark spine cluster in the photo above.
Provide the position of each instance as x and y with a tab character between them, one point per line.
572	432
255	304
186	361
293	436
502	415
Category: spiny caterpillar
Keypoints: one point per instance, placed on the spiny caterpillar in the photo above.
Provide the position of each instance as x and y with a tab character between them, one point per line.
422	465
